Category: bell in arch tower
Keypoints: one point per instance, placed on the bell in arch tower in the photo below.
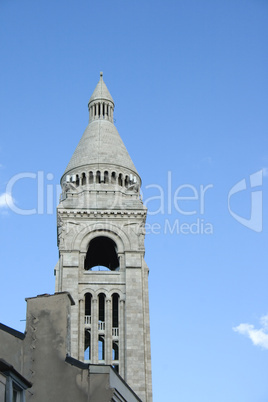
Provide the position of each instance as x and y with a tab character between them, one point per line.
101	222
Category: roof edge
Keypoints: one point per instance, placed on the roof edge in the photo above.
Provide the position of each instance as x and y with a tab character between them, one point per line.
12	331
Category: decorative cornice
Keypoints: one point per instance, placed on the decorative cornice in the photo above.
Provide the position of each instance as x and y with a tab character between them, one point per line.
100	213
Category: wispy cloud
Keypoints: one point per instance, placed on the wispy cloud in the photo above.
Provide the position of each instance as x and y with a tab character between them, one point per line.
259	337
6	200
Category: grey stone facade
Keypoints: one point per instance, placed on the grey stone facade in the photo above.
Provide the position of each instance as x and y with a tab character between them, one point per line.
101	222
42	357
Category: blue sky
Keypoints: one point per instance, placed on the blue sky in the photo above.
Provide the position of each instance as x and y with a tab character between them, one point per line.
189	80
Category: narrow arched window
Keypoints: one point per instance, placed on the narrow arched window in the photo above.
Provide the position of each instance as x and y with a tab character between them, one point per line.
98	177
126	181
77	180
106	176
115	317
88	298
113	177
83	179
120	179
90	178
101	300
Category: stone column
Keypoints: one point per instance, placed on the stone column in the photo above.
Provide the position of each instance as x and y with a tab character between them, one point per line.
81	329
122	338
94	331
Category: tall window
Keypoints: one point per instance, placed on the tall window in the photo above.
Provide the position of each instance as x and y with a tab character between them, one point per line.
106	176
101	312
115	307
98	177
120	179
113	177
126	181
83	179
88	298
90	178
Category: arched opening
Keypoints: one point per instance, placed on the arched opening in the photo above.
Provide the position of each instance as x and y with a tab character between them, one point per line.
90	178
120	179
102	255
98	177
113	177
115	307
77	180
83	179
101	300
126	181
88	298
106	176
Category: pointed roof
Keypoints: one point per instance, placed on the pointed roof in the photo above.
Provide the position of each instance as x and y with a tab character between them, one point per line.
101	91
101	142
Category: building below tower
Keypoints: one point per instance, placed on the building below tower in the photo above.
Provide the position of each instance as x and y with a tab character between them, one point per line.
42	355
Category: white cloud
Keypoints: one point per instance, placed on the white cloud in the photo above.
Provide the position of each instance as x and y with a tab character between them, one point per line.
6	200
259	337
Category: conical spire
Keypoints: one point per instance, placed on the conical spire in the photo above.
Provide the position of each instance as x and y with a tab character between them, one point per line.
101	104
101	92
101	143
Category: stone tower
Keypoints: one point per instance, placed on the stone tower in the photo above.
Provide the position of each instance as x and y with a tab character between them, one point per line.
101	246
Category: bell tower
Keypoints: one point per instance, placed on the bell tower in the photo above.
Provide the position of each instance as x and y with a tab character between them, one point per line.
101	222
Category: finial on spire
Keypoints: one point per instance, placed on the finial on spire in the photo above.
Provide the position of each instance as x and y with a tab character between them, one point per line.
101	74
